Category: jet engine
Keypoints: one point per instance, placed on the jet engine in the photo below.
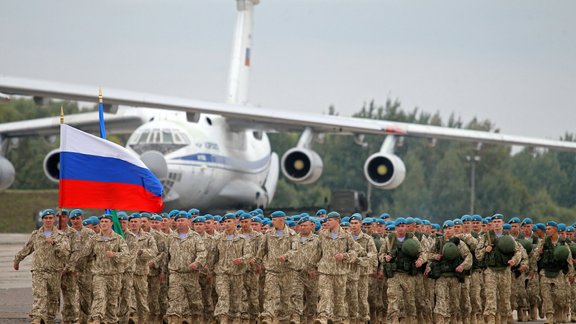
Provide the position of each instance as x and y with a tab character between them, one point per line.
7	173
301	165
384	170
52	165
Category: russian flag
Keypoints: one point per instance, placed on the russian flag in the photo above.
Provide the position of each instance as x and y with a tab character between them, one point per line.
96	173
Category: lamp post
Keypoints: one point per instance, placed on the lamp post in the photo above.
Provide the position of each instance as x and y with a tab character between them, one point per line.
473	159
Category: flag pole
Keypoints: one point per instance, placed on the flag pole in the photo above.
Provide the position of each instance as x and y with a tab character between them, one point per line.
116	223
60	207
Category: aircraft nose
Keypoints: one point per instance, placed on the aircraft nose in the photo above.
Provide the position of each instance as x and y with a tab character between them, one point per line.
156	162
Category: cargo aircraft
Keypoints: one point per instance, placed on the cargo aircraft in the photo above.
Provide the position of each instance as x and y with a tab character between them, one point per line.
217	155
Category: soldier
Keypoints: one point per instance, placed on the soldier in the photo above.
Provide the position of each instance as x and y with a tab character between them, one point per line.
476	274
519	295
555	264
51	252
186	256
156	274
304	299
471	243
206	275
336	250
229	262
377	284
126	303
500	252
251	304
143	248
278	247
401	267
364	265
67	281
110	254
449	258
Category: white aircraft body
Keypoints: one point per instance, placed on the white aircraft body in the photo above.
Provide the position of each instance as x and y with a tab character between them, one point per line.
217	155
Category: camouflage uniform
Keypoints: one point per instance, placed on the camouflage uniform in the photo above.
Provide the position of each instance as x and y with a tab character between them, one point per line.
448	285
466	313
476	284
278	282
106	274
142	249
207	278
68	282
333	273
228	276
554	281
126	303
250	302
402	285
375	289
357	283
47	264
497	278
184	294
304	298
519	295
155	274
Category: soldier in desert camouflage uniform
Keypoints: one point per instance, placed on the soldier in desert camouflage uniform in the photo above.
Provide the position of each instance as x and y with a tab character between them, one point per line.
156	273
251	304
51	250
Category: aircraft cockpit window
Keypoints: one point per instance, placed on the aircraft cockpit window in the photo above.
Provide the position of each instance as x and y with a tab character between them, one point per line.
143	138
155	137
181	138
167	137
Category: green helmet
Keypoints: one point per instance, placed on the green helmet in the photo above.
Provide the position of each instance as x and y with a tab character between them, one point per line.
506	244
561	252
527	244
572	246
450	251
411	248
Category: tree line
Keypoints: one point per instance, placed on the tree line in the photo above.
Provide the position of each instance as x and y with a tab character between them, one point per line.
530	183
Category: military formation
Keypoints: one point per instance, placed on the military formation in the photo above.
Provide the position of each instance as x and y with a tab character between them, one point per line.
249	267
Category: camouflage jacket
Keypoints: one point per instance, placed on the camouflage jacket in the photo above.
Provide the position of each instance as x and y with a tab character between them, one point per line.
161	258
47	257
226	248
253	240
367	261
78	240
329	246
182	252
272	246
142	249
97	248
485	239
307	247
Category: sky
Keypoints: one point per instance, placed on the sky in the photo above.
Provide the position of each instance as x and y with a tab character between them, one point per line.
512	62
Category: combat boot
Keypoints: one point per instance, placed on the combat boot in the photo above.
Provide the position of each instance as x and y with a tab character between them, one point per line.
534	313
549	318
490	319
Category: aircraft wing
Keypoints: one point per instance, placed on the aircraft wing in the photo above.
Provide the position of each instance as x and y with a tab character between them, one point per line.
267	119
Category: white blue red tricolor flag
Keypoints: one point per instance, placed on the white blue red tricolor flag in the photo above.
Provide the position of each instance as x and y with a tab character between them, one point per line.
96	173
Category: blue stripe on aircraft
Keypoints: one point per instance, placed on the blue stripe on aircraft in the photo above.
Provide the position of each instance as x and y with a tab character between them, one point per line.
227	161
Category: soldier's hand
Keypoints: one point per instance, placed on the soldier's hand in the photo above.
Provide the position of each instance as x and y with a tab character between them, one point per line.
339	256
489	248
437	257
380	275
50	240
252	262
162	277
194	265
426	272
312	274
237	261
16	265
387	257
151	264
110	254
419	263
140	252
282	258
511	262
571	279
523	268
459	268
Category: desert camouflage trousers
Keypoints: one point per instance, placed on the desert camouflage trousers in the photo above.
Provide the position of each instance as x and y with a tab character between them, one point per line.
555	293
105	290
447	291
69	296
304	298
184	296
229	289
332	293
277	292
498	285
45	293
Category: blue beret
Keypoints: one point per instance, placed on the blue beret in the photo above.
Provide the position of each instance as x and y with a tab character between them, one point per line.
47	212
569	228
238	212
497	216
552	223
322	220
87	222
466	218
418	221
400	221
514	220
347	224
458	221
333	214
388	222
254	213
303	220
208	217
561	227
357	217
477	218
75	213
390	227
245	216
384	215
156	218
145	215
290	223
426	222
259	211
304	215
278	213
123	216
194	211
506	226
527	220
257	219
266	221
380	221
368	221
345	219
199	219
228	216
107	216
321	212
165	215
134	215
540	226
63	212
410	220
94	220
182	214
173	213
436	226
448	223
486	220
317	225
